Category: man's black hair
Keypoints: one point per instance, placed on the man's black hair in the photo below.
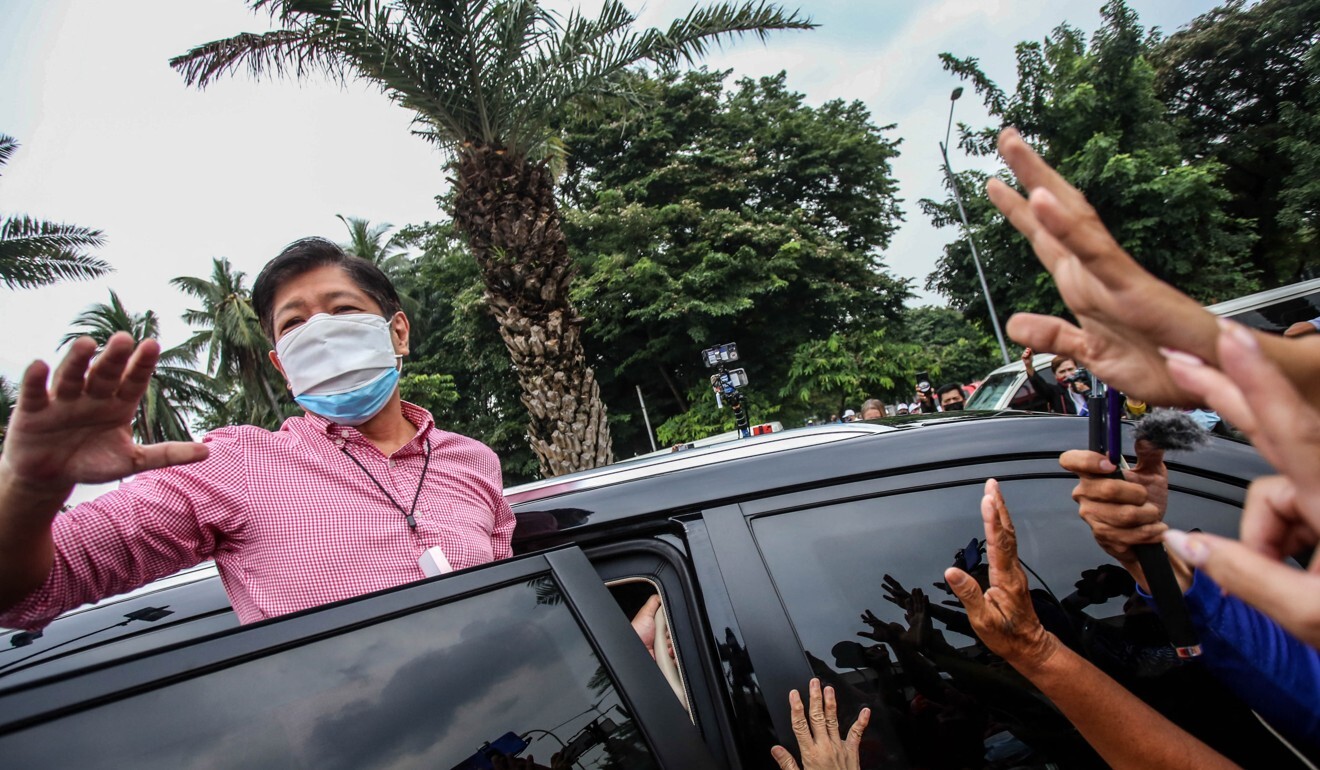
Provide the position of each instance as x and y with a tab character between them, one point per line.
307	254
1058	361
948	386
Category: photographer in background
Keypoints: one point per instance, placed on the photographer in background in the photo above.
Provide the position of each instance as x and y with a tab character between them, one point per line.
926	399
1067	394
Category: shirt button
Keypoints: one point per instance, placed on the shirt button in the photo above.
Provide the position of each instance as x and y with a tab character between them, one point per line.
339	442
390	463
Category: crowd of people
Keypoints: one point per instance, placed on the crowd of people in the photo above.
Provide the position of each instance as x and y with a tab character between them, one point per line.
243	495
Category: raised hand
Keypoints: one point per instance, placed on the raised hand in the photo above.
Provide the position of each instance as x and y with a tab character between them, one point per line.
1125	313
1003	617
1282	513
80	430
818	739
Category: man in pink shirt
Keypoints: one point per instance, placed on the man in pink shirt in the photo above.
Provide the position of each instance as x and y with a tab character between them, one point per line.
341	501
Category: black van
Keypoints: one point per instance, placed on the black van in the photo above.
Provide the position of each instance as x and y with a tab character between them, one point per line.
778	558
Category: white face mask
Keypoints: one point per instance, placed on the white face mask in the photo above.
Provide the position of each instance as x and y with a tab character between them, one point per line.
342	367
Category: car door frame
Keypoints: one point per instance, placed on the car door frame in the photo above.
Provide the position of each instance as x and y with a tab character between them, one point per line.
772	643
659	717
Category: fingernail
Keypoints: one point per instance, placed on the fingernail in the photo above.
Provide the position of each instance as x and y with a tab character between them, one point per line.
1107	466
1192	551
1181	357
1238	333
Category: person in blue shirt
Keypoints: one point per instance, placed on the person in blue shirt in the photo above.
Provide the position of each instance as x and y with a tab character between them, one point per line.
1272	671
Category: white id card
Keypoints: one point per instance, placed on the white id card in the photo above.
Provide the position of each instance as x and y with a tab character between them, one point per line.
433	562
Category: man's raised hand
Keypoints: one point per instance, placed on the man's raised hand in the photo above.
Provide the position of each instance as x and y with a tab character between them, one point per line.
1125	313
79	429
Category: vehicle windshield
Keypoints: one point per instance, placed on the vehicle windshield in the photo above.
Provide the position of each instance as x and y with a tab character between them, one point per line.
992	390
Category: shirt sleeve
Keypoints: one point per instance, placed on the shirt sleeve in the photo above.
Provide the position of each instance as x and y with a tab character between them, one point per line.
1273	672
152	526
501	536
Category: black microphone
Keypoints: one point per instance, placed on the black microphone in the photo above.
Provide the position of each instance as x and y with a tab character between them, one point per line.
1170	430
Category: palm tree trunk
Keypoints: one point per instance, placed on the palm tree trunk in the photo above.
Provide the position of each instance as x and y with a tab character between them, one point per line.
506	207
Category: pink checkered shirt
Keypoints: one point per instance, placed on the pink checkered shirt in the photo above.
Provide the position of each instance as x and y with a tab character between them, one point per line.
290	521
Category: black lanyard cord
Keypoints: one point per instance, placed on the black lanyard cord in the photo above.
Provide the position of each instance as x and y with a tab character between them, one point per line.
407	515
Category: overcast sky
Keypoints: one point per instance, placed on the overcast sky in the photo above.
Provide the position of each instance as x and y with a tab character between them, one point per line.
112	139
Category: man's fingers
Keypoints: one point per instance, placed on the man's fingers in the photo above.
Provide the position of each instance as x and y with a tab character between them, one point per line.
1110	492
71	374
816	709
857	729
1084	462
798	718
32	393
137	374
831	714
967	591
783	758
107	368
1287	594
1018	212
1212	387
1080	232
1000	539
1270	519
1285	420
1045	332
152	456
1030	169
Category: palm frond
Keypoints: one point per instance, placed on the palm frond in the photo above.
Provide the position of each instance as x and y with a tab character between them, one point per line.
36	253
284	52
8	145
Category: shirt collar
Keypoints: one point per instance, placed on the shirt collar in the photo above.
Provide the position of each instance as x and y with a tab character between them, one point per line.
413	413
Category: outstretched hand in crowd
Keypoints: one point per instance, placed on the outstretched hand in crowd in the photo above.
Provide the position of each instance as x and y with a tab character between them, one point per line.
1125	314
817	731
1281	516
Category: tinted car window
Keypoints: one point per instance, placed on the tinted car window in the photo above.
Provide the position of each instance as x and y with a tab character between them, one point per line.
510	669
843	570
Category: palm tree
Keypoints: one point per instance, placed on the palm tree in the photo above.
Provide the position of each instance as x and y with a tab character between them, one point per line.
487	80
369	242
227	329
174	388
8	397
35	253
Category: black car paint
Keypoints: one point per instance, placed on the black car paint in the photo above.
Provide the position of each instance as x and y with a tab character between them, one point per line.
733	627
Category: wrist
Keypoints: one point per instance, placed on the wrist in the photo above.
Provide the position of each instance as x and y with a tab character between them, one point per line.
1036	659
17	492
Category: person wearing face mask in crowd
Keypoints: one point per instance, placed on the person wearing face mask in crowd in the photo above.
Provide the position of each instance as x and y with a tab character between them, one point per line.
952	397
343	500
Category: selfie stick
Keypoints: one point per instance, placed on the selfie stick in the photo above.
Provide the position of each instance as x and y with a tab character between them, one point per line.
1104	407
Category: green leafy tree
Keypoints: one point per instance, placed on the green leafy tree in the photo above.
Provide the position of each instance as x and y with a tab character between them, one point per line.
710	213
1093	113
956	347
227	332
486	80
1300	198
840	372
35	253
175	387
1241	85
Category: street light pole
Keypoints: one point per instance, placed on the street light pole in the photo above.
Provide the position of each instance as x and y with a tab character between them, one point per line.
967	227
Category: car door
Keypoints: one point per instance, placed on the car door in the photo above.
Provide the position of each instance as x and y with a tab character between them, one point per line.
820	582
527	658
